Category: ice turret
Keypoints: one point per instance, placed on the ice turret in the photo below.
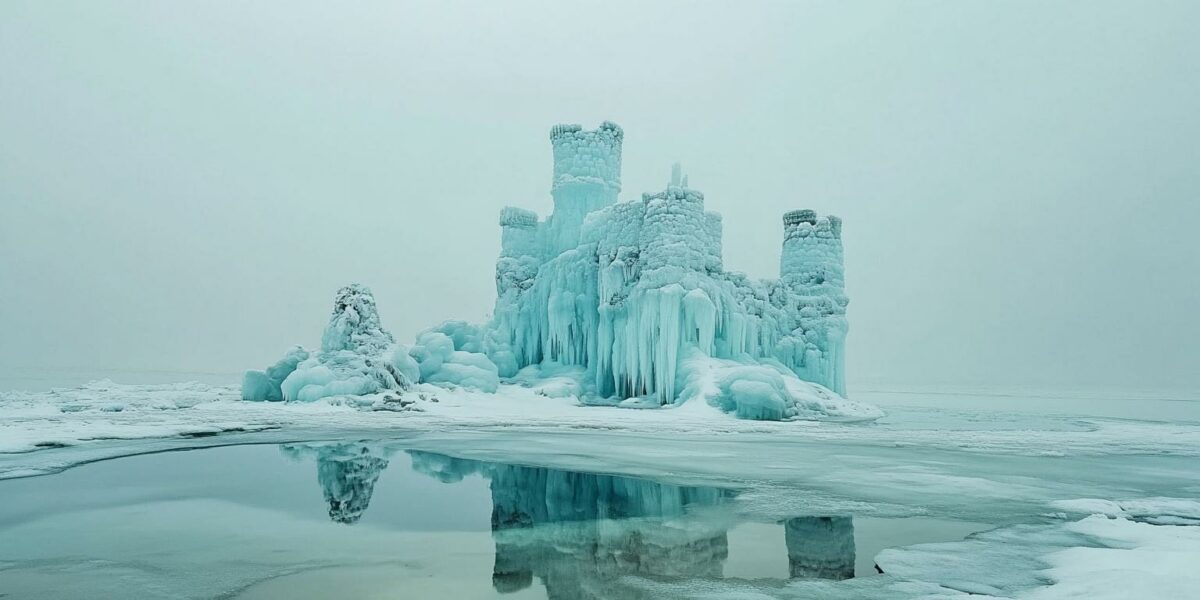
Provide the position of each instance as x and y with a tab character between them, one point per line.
677	232
811	268
812	252
519	250
587	177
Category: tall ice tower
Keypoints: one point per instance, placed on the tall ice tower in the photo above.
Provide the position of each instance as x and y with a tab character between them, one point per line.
812	267
587	177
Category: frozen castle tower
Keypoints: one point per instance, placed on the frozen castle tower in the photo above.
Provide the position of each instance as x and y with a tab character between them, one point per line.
587	177
810	267
632	291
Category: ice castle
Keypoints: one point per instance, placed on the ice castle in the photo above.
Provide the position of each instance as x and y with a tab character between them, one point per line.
612	302
628	289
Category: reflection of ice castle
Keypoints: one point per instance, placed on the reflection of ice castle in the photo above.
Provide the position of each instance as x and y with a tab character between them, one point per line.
580	534
626	289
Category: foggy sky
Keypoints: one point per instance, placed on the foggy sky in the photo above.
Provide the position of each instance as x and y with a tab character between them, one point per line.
183	186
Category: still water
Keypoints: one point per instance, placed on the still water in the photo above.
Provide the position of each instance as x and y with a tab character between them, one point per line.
365	520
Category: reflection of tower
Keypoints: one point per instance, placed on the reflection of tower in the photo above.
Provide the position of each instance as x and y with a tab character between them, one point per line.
587	177
347	474
820	547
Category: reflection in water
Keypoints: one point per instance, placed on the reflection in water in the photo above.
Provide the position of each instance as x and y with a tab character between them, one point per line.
581	533
820	547
347	474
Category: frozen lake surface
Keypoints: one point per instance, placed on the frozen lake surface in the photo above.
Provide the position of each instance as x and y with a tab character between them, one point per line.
184	491
371	520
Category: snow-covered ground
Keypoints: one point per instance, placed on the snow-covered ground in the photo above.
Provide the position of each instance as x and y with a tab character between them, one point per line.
1092	495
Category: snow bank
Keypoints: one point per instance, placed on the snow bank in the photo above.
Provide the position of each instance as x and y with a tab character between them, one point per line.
1159	511
1098	557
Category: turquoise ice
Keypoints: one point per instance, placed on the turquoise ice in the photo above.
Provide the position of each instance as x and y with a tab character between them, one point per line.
634	295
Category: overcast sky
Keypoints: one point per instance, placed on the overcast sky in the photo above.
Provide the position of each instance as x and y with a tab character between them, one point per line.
184	185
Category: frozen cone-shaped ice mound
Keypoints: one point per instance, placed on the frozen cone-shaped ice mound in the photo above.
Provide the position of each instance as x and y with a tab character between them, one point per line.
357	357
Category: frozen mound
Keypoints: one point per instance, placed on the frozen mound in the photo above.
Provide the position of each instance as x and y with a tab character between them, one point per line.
553	380
452	354
763	391
357	357
267	385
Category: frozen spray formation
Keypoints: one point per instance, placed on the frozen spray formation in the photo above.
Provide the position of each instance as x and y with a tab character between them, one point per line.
629	298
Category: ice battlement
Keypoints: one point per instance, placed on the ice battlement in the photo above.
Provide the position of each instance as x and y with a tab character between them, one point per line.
675	193
805	222
567	129
511	216
796	217
587	157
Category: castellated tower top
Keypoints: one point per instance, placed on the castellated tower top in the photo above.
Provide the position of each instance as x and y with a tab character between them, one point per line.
805	222
797	217
812	255
511	216
588	157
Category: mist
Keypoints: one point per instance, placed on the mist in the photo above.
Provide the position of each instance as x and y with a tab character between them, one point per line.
183	186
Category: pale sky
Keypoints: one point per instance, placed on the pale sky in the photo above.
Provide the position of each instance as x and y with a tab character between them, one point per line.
184	186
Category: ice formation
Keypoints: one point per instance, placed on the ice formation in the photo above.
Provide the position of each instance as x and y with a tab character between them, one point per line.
628	289
634	295
357	357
